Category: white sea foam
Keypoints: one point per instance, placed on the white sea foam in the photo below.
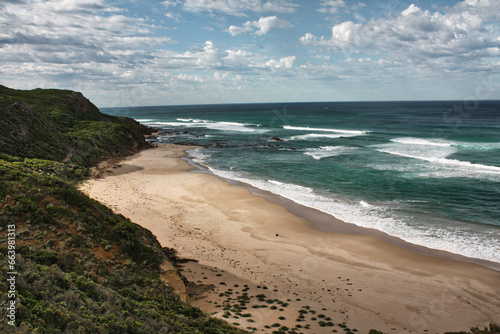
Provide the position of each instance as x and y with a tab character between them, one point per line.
222	126
193	120
326	151
420	141
168	123
435	152
316	135
364	204
453	162
346	132
459	240
230	126
198	156
478	146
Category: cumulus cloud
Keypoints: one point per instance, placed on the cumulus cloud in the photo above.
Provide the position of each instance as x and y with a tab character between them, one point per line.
283	63
417	35
260	27
238	59
210	57
240	7
489	10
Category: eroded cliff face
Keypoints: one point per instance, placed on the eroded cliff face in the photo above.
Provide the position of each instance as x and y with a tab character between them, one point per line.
81	103
170	275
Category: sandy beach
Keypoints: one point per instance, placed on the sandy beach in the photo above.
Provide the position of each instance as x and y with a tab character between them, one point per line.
307	279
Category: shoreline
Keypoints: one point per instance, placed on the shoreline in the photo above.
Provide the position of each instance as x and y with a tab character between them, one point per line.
357	280
325	222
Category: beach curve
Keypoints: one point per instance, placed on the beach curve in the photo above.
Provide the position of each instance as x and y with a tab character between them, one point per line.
358	280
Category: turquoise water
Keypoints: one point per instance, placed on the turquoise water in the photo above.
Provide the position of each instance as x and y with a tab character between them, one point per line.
426	172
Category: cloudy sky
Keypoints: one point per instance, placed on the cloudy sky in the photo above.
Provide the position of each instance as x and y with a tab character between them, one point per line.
153	52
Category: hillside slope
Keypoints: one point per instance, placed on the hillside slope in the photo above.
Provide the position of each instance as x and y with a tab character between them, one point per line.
63	125
68	263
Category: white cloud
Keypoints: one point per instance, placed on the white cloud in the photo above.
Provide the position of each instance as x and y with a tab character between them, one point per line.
410	10
78	44
266	23
240	7
260	27
174	16
246	28
238	59
190	78
170	3
209	58
488	10
419	36
79	6
335	8
283	63
75	37
331	6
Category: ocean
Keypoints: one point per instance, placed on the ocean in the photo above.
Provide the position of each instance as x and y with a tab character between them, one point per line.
425	172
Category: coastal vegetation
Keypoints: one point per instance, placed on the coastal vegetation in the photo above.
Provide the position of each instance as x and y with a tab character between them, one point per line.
64	126
77	266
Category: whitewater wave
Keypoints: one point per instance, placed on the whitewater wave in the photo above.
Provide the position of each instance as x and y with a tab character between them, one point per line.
436	152
476	146
453	162
214	125
345	132
326	151
420	141
194	120
316	135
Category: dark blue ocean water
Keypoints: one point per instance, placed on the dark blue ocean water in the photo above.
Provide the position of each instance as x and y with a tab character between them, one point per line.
426	172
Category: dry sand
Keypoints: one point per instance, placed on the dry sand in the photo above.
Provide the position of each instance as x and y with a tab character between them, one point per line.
338	282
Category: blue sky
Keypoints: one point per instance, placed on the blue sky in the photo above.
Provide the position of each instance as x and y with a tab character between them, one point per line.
131	53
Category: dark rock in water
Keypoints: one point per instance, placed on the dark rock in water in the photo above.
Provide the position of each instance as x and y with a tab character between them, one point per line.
277	139
189	144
